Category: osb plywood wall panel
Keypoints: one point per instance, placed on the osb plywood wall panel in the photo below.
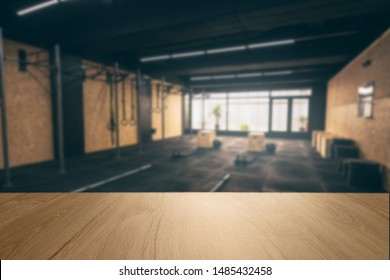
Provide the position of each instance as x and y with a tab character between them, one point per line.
96	98
372	135
29	110
173	115
173	111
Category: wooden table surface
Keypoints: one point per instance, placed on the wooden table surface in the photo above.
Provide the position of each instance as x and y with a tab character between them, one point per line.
194	226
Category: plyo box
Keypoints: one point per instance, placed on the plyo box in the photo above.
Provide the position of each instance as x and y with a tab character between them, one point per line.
206	138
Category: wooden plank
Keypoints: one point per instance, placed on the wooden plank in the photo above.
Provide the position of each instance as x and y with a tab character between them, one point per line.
195	226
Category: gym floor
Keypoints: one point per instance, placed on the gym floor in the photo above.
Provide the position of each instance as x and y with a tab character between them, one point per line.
295	167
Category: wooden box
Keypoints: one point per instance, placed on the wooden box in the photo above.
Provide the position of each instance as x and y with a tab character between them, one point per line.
206	138
256	142
326	144
318	141
314	137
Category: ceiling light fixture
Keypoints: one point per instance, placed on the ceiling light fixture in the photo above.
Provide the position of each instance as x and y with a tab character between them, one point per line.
220	77
276	73
249	75
243	75
228	49
187	54
37	7
271	44
221	50
201	78
155	58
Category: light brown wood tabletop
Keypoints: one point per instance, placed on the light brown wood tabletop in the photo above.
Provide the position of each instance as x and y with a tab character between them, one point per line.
194	226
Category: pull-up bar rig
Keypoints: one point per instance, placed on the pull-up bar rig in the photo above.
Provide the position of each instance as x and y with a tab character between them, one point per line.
57	80
113	78
162	89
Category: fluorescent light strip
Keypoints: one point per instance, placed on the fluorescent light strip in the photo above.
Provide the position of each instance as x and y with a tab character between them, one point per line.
220	50
271	44
221	77
276	73
37	7
155	58
249	75
228	49
187	54
202	78
244	75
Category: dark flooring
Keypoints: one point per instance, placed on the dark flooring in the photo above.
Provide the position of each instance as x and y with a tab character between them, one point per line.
295	167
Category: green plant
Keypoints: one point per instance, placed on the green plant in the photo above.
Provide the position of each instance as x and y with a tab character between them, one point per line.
302	119
216	112
244	127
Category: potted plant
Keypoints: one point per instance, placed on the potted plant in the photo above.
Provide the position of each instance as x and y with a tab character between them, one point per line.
244	127
303	121
216	112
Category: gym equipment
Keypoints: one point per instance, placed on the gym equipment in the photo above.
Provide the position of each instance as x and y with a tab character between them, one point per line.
256	142
206	138
217	144
339	141
112	179
156	109
342	152
364	174
176	154
132	108
162	111
140	85
270	148
111	124
221	183
314	137
116	97
326	141
244	160
124	121
23	62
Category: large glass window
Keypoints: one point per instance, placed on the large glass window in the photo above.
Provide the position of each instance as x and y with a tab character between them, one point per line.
300	114
365	100
249	111
209	110
287	93
215	111
197	112
279	115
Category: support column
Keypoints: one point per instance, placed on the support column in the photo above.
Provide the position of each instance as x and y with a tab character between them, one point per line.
7	172
139	81
58	93
183	115
190	113
163	111
117	135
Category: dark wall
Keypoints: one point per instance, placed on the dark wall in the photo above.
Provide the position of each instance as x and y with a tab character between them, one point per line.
317	109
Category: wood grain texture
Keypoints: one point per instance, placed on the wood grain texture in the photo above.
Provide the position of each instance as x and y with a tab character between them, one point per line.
194	226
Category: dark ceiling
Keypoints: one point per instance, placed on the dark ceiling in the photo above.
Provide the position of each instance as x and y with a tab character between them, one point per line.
328	34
